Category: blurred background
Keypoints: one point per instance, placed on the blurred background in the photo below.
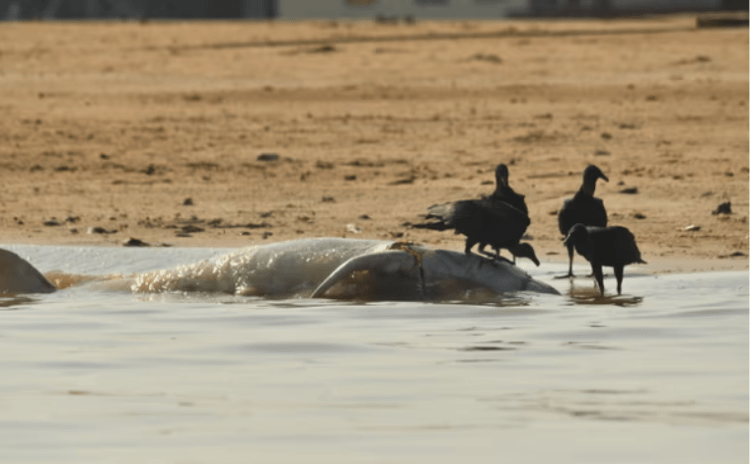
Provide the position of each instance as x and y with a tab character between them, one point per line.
12	10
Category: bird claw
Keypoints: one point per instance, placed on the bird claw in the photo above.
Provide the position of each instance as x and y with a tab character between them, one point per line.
498	258
569	275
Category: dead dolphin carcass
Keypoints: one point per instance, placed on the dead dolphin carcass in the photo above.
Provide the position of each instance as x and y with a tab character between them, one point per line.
312	268
345	269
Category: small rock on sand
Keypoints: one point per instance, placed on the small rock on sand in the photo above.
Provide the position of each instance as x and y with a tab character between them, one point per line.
724	208
99	230
134	242
268	157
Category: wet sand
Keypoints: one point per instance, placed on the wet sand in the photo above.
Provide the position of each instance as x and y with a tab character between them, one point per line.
116	125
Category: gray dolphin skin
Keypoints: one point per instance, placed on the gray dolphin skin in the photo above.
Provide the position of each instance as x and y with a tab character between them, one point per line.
17	276
369	270
439	273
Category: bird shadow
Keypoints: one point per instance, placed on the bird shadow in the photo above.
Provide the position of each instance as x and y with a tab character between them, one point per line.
592	296
567	276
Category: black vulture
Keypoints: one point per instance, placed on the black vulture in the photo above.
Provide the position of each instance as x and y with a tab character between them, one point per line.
583	208
503	192
484	222
605	246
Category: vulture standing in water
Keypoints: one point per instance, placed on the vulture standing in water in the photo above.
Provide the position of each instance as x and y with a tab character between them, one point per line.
605	246
503	192
583	208
485	222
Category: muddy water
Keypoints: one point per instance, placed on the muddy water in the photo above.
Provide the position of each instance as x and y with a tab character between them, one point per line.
657	375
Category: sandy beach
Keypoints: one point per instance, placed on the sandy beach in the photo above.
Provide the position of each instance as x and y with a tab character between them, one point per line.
236	133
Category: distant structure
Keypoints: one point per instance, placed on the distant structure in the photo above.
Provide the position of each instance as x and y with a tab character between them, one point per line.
393	10
381	10
608	8
137	9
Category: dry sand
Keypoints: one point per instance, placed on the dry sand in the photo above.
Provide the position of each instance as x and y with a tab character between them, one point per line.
115	125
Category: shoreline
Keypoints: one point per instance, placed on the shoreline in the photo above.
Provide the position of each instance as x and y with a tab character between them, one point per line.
655	265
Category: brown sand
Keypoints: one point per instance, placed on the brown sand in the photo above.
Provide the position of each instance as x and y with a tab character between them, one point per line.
116	124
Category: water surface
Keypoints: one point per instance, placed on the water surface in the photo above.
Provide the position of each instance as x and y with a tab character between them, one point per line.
657	375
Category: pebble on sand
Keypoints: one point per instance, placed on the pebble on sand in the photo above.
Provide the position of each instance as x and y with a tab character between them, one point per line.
268	157
724	208
134	242
99	230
